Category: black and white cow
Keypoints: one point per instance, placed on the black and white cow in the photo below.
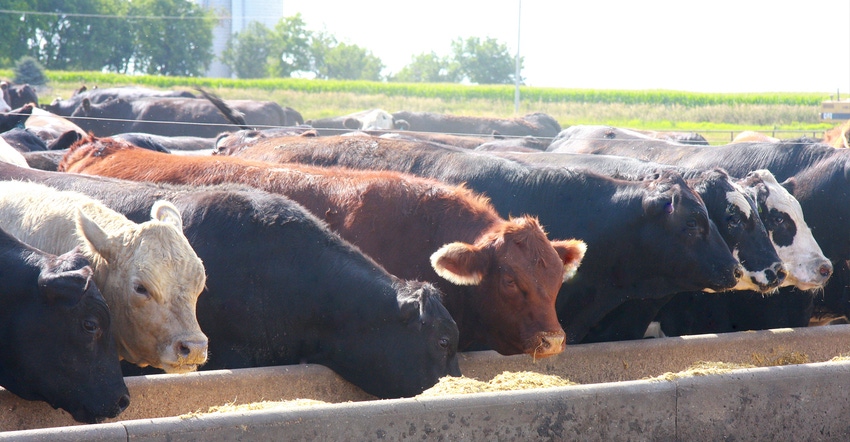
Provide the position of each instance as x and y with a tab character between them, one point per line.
813	173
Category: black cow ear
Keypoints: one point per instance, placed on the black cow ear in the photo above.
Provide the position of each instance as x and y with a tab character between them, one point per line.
352	124
790	185
409	311
63	288
660	204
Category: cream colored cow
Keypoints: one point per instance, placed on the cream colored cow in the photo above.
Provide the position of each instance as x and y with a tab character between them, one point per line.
148	273
8	154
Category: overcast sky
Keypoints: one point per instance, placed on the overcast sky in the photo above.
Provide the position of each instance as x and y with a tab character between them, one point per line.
707	46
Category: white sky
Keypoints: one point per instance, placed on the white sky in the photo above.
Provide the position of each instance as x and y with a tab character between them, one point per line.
706	46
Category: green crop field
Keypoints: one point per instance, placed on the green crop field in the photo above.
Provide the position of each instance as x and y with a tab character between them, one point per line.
718	116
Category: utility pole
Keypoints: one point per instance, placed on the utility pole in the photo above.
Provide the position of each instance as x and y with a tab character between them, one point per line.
516	76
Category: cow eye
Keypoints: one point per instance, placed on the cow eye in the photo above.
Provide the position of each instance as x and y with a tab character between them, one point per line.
778	219
735	220
140	289
692	224
444	343
91	326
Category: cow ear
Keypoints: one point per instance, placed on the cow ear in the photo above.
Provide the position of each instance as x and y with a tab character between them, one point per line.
97	239
63	287
409	310
401	124
352	123
459	263
571	252
659	204
166	212
86	104
790	185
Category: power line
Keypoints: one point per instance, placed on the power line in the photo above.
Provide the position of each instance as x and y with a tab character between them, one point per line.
123	17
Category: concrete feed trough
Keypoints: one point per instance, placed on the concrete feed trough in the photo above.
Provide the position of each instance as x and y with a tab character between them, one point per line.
806	401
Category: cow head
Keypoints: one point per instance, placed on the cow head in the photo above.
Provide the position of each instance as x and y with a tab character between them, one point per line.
152	279
57	345
736	217
415	352
679	237
516	273
792	238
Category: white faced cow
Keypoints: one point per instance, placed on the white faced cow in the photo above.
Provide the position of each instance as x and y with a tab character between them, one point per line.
148	273
782	216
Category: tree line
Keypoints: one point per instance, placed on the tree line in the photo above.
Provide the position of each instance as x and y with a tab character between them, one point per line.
174	37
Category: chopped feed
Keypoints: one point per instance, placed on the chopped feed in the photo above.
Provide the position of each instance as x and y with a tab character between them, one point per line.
701	368
508	380
262	405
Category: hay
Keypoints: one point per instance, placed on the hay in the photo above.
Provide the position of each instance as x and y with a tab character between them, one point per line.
507	381
789	358
701	368
262	405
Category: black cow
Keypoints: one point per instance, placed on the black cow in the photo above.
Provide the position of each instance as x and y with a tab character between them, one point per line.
814	173
18	95
693	313
283	289
98	95
163	115
24	140
55	339
645	239
536	124
15	117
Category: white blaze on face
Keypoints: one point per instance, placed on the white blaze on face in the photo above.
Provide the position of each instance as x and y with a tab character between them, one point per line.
376	119
737	198
751	279
803	257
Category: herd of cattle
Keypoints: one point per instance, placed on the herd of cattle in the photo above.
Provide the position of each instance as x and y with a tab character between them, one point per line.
177	232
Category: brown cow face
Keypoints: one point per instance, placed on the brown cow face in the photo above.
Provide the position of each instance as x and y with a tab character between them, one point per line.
154	269
517	273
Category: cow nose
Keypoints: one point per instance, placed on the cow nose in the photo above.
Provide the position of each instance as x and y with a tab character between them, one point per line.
781	272
825	270
550	344
192	352
123	403
738	273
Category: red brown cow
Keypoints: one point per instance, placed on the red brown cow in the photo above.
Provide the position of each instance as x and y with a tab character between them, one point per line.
500	277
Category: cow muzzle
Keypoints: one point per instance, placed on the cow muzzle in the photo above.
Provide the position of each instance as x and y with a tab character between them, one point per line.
545	344
185	355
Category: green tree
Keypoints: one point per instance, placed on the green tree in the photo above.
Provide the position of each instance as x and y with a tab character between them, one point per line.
351	62
95	43
177	42
14	43
341	61
484	62
291	49
28	70
248	52
428	68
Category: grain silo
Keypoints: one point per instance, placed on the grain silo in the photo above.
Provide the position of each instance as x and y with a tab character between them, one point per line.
234	17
